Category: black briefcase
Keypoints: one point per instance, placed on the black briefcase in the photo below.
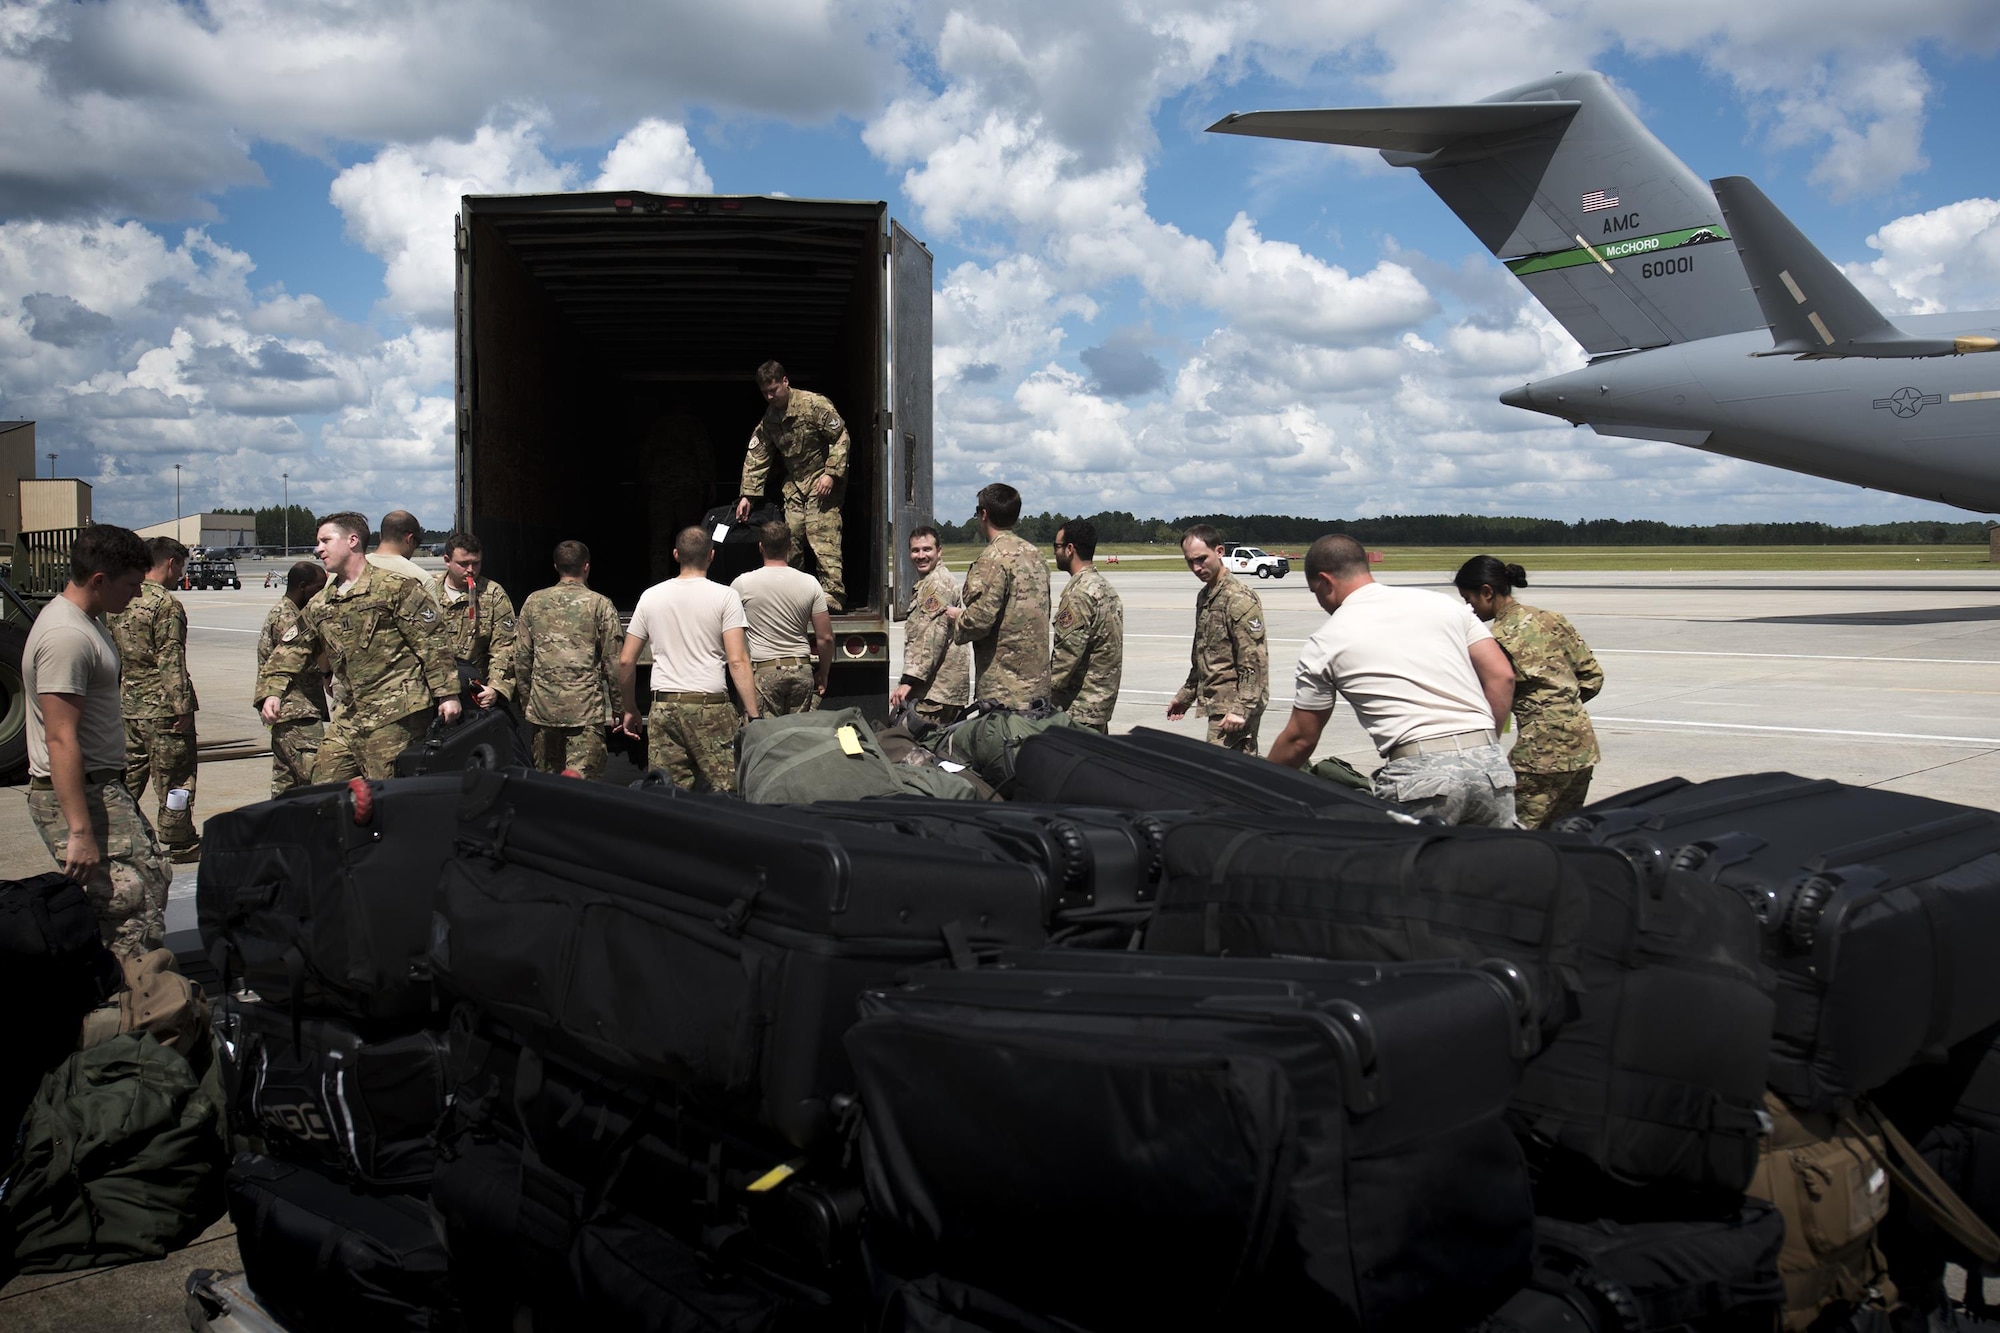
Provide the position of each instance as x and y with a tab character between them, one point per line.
315	1090
1102	866
1879	910
481	738
321	899
1717	1276
326	1259
712	945
1154	770
1253	1144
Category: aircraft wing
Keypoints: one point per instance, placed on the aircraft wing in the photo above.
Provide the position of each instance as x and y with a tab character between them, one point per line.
1397	129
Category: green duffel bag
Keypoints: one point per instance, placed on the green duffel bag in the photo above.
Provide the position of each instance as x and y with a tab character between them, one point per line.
987	741
120	1160
825	756
1339	770
940	783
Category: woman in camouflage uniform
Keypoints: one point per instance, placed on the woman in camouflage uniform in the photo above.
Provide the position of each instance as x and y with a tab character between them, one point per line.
1555	674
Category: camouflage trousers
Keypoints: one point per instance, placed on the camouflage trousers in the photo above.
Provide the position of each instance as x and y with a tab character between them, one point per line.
936	713
1473	786
690	740
128	889
817	521
155	751
1243	742
1540	799
294	746
558	749
347	751
783	687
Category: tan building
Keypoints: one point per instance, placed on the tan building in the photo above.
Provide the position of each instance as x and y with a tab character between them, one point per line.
208	530
17	463
60	503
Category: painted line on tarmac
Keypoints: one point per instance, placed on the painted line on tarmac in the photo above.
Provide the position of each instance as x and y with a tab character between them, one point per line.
1791	657
1798	731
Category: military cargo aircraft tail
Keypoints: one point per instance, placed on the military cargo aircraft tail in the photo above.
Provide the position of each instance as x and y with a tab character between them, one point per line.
1812	308
1611	232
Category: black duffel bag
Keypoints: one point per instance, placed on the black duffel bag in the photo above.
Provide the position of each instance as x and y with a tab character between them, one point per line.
1158	770
481	738
1657	1011
320	900
316	1090
326	1259
1135	1141
1879	910
1704	1276
712	945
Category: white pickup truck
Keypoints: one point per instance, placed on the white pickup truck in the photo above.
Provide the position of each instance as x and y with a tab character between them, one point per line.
1240	559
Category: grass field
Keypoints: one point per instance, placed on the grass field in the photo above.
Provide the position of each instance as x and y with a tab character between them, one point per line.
1558	558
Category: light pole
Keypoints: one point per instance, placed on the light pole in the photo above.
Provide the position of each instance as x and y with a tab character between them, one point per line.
52	467
177	502
288	513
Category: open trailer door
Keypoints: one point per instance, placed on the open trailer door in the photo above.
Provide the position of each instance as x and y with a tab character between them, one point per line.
909	425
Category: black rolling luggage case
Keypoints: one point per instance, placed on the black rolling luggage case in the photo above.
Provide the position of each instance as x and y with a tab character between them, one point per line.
1653	1277
709	944
481	738
317	1091
1102	866
325	1259
1879	909
54	969
1155	771
321	899
1653	978
1140	1149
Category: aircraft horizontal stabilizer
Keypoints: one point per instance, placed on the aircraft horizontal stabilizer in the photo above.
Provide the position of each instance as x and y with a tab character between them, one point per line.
1397	129
1812	308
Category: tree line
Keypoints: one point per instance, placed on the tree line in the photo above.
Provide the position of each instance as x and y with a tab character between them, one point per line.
1483	530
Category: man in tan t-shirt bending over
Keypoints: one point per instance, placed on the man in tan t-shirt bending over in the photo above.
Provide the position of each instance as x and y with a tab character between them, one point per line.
76	744
786	610
698	632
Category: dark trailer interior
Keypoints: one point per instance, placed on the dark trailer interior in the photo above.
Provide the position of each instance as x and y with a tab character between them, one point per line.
608	345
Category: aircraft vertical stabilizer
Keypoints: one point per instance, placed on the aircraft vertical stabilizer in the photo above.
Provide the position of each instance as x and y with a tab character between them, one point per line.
1812	308
1607	228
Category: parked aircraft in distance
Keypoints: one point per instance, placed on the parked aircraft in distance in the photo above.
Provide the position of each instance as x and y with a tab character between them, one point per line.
1710	320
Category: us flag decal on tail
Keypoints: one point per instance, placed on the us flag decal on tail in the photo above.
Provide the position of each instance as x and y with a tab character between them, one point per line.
1599	199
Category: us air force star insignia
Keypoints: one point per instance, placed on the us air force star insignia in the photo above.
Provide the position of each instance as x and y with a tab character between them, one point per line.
289	635
1907	401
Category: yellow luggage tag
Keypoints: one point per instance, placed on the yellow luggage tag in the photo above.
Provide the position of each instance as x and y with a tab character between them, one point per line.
850	740
773	1178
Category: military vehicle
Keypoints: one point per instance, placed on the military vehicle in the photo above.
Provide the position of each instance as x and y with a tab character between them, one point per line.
212	572
1710	320
607	352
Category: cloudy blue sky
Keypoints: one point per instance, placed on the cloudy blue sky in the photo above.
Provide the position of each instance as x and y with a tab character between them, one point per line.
225	227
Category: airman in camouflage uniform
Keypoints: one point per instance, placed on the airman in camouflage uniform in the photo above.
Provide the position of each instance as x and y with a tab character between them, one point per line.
937	671
1229	666
481	626
1006	613
158	698
384	645
802	430
301	724
1555	748
1089	656
565	669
